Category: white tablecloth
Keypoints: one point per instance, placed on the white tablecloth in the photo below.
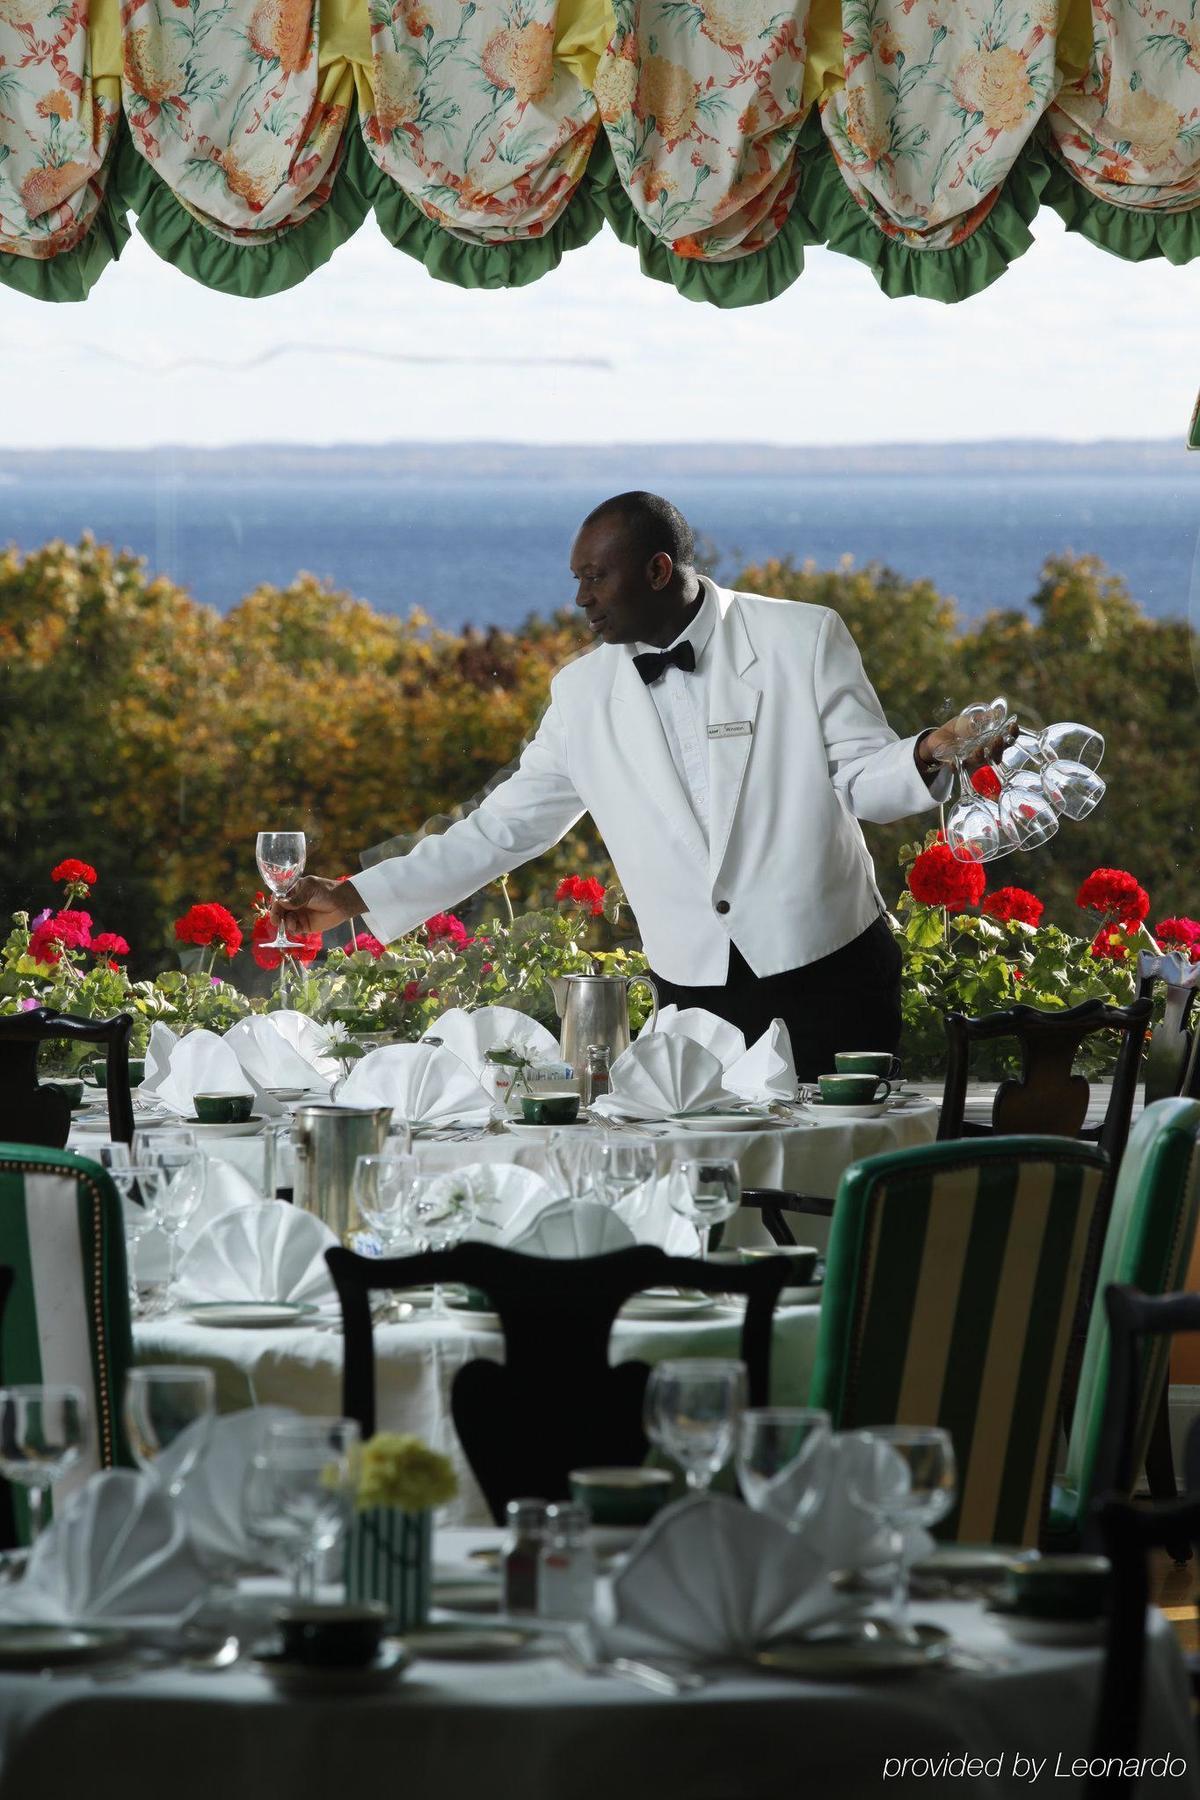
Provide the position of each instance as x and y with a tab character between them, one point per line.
533	1728
416	1362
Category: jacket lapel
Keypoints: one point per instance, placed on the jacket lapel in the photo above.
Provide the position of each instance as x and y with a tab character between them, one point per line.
733	697
644	745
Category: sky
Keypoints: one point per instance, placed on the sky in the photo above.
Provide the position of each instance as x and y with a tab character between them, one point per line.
1070	343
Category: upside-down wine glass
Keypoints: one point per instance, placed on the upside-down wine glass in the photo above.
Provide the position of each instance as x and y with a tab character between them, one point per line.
43	1430
280	856
691	1410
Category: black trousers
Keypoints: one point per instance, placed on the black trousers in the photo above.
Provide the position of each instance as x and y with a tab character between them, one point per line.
847	1001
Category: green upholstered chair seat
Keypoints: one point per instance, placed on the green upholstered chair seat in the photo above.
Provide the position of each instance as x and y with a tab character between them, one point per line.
953	1283
67	1320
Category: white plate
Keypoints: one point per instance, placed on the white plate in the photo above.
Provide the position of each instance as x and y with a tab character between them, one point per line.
666	1306
41	1646
250	1315
246	1128
841	1655
738	1121
527	1125
456	1643
820	1110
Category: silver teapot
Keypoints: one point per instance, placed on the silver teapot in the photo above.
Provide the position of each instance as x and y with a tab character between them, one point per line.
594	1009
327	1142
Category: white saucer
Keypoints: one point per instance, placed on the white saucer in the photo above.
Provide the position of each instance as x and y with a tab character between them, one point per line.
666	1306
738	1121
224	1129
249	1315
821	1109
41	1646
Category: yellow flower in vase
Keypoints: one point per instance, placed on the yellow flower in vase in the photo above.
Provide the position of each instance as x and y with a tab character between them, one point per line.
397	1469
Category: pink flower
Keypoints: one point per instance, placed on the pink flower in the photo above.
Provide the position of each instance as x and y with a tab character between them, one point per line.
29	1004
364	941
108	943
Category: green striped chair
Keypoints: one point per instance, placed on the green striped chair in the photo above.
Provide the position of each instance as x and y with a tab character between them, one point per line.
953	1283
1148	1246
67	1318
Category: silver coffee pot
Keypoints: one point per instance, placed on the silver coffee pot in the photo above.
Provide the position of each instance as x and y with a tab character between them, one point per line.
594	1009
327	1142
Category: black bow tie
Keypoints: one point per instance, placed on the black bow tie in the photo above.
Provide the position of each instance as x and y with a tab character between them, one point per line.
652	665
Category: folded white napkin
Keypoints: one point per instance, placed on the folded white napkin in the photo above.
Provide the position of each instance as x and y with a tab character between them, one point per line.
200	1063
709	1580
420	1082
725	1041
504	1193
118	1550
158	1056
210	1501
648	1212
1171	967
470	1035
310	1039
767	1070
573	1228
662	1075
269	1060
224	1189
268	1251
838	1531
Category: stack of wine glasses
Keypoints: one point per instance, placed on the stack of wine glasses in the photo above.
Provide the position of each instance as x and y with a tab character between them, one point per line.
1043	777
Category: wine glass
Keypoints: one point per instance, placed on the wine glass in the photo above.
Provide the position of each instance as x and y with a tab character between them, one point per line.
973	825
917	1486
619	1165
280	856
163	1404
43	1431
149	1141
1069	742
1072	788
381	1189
138	1185
706	1192
783	1460
1026	816
298	1493
176	1197
691	1411
439	1213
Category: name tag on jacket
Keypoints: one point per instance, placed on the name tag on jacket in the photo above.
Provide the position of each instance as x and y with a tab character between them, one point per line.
732	728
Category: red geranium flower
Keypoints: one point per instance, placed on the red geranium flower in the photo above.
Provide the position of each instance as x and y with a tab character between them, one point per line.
1109	943
584	890
73	870
42	945
412	991
1116	894
207	923
1013	903
447	926
985	781
264	928
107	943
1179	934
937	878
364	941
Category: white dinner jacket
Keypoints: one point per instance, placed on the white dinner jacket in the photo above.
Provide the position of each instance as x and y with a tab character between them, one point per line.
799	751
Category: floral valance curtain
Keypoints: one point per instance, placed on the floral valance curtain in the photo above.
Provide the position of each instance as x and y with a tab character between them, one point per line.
248	138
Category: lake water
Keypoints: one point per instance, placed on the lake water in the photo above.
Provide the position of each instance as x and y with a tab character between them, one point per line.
493	551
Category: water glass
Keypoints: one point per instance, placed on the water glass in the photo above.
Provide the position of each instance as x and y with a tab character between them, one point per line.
298	1494
919	1488
619	1165
705	1192
280	856
439	1213
162	1403
691	1411
381	1188
138	1185
784	1456
43	1432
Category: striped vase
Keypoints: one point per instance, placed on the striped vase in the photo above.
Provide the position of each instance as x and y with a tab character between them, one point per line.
389	1558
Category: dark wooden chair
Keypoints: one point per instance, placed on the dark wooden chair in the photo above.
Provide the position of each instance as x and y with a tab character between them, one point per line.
1173	1053
33	1112
778	1205
1129	1533
555	1402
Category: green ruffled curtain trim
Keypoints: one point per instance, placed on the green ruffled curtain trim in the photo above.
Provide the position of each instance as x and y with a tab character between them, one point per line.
72	275
834	218
1120	230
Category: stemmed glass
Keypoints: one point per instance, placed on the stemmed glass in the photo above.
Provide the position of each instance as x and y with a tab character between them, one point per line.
1047	762
280	856
691	1410
299	1493
1069	742
176	1197
973	825
43	1431
619	1166
138	1185
162	1404
918	1487
382	1184
705	1192
784	1456
439	1213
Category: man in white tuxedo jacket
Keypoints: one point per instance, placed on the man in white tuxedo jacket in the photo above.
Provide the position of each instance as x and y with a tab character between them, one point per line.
726	746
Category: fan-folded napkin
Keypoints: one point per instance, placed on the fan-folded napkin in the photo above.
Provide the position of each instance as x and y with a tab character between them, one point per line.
662	1075
269	1059
571	1228
420	1082
470	1035
224	1189
503	1195
158	1057
200	1063
838	1531
765	1071
118	1550
210	1502
710	1581
269	1251
706	1028
648	1212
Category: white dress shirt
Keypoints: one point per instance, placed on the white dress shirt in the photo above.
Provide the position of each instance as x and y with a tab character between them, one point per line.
681	701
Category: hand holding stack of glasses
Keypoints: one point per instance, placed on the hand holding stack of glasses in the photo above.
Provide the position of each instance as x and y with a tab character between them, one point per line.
1042	777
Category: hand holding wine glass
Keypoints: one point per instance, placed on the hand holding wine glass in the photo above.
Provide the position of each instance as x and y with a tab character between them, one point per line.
280	856
314	904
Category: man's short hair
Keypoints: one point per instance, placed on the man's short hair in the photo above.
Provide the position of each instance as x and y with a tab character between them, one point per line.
655	524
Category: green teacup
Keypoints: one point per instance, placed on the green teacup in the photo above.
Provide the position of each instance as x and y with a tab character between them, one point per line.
95	1073
868	1062
1060	1587
71	1088
223	1109
550	1109
137	1070
621	1496
333	1636
852	1090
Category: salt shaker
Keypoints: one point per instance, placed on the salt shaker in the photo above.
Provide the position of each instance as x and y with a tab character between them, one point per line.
595	1076
567	1576
522	1547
